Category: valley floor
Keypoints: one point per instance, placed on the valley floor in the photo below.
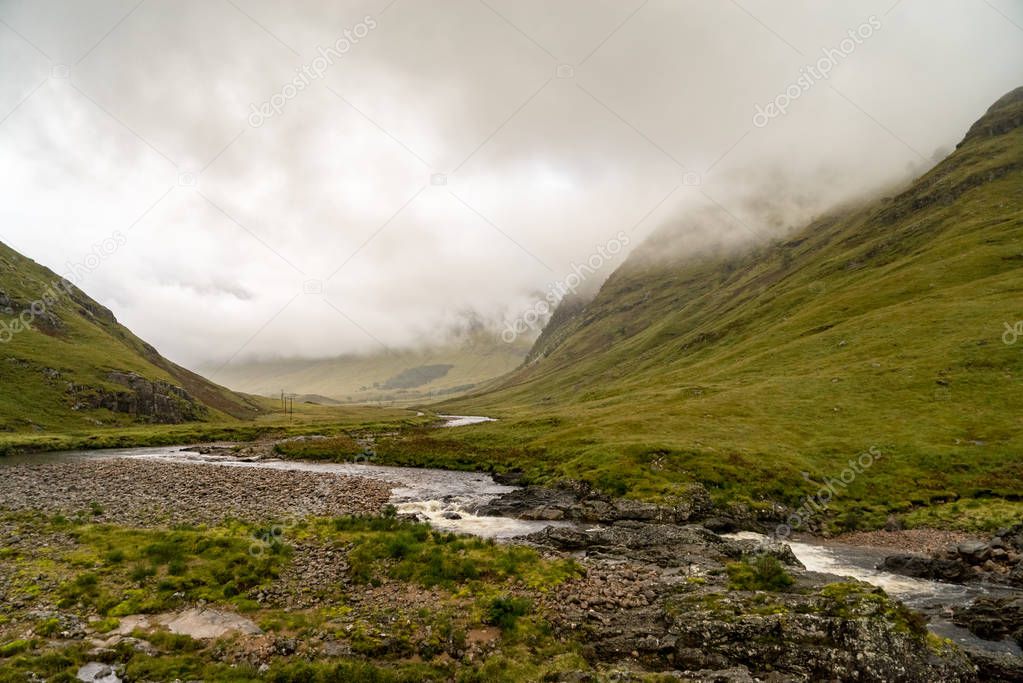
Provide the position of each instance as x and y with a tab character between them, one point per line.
150	570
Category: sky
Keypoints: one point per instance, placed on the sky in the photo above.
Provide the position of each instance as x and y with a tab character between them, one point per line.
248	179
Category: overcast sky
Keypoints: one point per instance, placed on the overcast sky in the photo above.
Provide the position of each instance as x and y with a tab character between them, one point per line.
446	157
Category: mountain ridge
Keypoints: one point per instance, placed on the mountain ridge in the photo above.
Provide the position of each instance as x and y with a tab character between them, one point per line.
68	363
878	325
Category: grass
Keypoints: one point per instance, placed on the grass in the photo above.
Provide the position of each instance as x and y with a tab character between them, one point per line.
878	327
762	573
414	553
338	448
335	422
111	571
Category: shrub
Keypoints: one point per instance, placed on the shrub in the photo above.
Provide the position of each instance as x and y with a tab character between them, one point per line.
763	573
504	611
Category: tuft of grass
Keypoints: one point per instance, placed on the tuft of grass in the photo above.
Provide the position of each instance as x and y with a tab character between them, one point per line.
762	573
504	611
387	546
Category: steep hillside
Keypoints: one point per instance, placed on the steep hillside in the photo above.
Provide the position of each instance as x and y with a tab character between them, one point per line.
66	363
761	372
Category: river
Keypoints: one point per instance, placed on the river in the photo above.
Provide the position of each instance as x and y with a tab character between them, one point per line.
448	500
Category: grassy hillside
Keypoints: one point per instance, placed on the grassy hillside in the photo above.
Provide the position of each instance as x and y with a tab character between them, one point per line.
403	377
73	366
763	372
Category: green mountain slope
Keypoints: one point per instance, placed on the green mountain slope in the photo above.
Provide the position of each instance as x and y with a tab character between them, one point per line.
760	373
67	364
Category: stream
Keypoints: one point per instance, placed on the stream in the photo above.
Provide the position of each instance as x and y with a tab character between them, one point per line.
933	598
448	501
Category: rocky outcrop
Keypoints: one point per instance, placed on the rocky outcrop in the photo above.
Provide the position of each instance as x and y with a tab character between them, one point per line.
152	401
577	501
664	545
999	560
934	569
687	622
993	667
843	632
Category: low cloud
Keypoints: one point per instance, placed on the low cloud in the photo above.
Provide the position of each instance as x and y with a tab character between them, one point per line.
445	171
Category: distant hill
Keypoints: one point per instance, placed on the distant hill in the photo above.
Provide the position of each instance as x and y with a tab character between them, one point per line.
400	376
66	363
891	325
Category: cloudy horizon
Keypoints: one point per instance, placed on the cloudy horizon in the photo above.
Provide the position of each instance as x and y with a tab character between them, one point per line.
325	178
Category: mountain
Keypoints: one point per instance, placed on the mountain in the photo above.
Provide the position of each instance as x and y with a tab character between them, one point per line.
421	375
66	363
890	327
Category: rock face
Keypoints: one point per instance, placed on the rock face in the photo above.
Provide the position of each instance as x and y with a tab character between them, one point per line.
152	401
577	501
1000	560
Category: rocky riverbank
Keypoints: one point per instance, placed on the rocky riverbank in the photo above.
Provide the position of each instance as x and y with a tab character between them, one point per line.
654	590
998	560
145	493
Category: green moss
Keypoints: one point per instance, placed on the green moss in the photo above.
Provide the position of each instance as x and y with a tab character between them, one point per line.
15	647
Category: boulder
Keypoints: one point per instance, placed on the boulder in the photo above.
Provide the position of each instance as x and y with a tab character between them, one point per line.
993	618
974	552
936	569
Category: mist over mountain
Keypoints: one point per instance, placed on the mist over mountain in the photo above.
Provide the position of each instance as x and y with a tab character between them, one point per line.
458	157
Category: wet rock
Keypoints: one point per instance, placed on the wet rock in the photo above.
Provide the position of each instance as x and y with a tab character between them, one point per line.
937	569
664	545
993	618
996	667
577	501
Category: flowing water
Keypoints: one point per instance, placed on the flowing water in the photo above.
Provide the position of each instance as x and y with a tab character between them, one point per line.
934	598
449	499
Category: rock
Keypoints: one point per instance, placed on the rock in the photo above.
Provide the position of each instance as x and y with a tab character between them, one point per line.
155	401
206	624
577	501
721	525
664	545
95	672
974	552
993	618
996	667
996	561
451	515
921	567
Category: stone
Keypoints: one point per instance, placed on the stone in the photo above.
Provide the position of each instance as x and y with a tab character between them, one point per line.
975	552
